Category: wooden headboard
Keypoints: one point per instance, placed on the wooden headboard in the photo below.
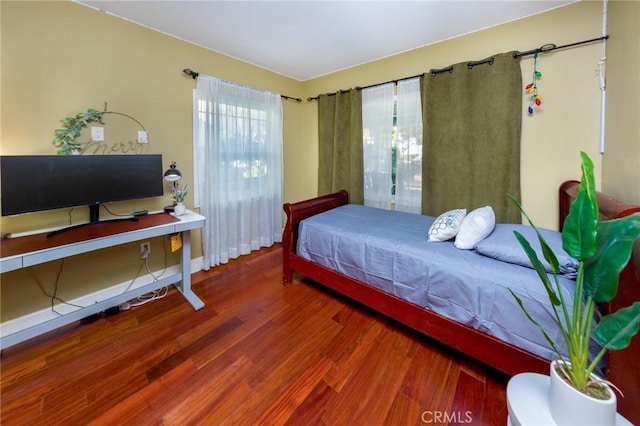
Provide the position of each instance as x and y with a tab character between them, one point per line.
623	367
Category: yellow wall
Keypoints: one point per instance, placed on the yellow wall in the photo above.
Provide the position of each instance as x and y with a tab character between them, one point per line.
60	58
80	58
568	121
621	162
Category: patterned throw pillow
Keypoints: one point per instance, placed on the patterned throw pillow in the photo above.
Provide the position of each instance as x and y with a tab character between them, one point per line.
446	225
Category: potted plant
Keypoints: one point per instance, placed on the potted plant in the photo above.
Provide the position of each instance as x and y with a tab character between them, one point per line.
65	139
179	195
602	249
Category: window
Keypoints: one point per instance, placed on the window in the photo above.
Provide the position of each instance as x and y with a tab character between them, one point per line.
243	151
238	167
392	121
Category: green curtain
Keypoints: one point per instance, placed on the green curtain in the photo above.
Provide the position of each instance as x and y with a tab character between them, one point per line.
472	121
340	143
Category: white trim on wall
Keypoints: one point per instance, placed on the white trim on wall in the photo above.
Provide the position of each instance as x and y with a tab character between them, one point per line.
42	316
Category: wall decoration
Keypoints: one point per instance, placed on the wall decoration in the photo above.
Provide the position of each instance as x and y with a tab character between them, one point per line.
532	88
66	138
125	138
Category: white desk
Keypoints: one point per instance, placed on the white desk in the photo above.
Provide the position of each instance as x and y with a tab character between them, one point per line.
23	252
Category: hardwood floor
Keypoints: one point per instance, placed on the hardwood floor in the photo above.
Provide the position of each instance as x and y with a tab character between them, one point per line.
257	353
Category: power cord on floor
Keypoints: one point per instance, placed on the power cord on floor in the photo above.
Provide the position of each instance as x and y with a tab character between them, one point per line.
145	298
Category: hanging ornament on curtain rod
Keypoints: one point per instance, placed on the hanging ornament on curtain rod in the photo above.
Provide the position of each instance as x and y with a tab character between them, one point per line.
532	88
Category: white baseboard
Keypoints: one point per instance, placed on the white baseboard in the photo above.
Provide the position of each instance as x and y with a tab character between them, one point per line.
43	316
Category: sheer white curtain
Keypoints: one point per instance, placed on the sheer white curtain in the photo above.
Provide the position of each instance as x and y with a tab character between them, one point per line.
392	139
238	168
408	140
377	123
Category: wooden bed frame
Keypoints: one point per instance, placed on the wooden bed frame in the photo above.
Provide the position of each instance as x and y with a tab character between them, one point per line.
623	367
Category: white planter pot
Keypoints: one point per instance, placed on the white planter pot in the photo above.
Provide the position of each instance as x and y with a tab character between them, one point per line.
569	406
179	209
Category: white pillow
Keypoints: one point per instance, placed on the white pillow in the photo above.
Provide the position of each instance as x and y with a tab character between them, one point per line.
446	225
475	227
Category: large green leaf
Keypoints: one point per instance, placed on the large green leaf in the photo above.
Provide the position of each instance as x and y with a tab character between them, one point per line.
547	252
614	245
588	181
552	342
614	331
580	226
537	265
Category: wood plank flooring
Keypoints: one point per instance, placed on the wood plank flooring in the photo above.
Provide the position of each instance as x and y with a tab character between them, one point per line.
257	353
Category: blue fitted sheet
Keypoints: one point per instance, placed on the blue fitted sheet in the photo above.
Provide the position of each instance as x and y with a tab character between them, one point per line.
389	250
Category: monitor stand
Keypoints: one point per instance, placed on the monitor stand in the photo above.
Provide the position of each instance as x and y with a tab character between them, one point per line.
94	219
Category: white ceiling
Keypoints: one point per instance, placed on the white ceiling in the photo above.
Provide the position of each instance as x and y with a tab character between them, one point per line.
305	39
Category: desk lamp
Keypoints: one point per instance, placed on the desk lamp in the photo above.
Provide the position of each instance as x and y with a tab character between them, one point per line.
172	175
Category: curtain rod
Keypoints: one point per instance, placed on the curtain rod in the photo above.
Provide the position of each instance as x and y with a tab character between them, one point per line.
544	48
550	46
315	98
470	65
195	75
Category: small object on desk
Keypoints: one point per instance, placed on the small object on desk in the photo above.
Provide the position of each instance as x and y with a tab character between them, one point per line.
140	213
179	209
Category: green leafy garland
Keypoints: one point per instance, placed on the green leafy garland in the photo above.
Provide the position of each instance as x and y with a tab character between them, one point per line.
65	139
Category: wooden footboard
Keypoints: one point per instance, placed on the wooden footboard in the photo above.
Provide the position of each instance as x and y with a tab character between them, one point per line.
622	366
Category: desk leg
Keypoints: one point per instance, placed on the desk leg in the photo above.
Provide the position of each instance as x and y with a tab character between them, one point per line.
185	262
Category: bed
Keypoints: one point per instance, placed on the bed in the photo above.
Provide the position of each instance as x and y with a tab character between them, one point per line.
399	293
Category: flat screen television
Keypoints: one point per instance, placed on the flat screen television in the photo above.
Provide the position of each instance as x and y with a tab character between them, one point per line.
32	183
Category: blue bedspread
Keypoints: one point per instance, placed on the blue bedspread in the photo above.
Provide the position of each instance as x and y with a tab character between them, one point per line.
389	250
